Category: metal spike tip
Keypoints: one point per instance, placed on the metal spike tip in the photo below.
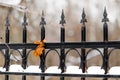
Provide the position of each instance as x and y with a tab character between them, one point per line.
62	16
83	13
62	21
25	20
105	12
83	20
43	22
105	19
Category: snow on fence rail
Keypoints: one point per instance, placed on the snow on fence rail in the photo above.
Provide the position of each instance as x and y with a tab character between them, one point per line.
62	70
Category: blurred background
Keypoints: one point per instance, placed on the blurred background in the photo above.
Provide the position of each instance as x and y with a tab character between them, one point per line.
94	9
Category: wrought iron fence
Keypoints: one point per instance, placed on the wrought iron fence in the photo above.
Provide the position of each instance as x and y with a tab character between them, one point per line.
62	45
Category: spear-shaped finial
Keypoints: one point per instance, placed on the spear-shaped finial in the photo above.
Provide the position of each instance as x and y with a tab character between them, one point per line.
83	20
43	22
105	19
62	21
24	20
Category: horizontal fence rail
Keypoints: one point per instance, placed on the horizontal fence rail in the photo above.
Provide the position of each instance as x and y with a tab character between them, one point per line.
62	75
110	44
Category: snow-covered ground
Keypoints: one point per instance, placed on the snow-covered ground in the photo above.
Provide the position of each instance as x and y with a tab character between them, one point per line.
69	69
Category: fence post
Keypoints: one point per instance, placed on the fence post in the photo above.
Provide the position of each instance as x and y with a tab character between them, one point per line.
7	56
83	39
105	39
42	57
24	57
62	39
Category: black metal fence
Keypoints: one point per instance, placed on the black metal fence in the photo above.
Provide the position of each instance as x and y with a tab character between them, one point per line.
62	45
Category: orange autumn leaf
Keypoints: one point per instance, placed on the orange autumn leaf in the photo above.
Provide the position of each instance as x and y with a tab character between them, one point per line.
40	48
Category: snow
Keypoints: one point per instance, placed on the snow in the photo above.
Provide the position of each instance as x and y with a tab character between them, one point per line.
53	69
33	69
16	68
114	70
69	69
95	70
73	70
2	69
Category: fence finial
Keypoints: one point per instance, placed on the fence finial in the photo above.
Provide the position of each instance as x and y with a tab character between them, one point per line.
43	22
105	19
25	20
7	24
83	20
62	21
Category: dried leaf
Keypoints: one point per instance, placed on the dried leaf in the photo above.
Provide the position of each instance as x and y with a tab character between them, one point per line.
40	48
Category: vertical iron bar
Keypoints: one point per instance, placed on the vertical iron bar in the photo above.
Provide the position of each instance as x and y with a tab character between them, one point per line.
105	39
24	57
42	57
62	40
83	39
7	56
